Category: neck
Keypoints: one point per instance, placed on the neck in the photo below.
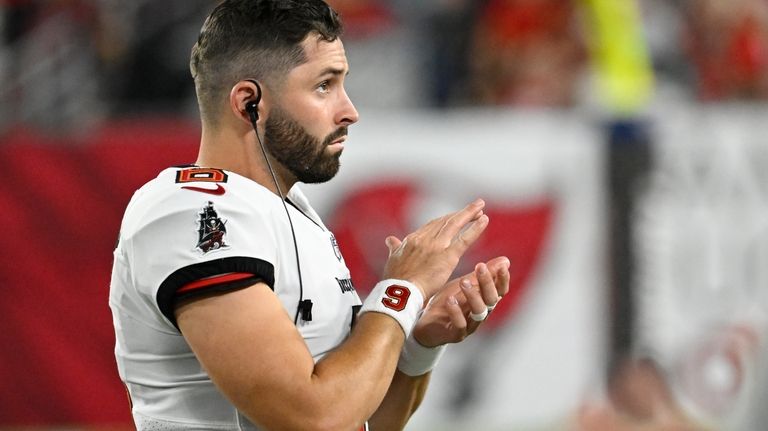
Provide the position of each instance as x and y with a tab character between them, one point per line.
236	149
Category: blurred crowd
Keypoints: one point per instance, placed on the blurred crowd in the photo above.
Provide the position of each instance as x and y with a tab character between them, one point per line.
66	62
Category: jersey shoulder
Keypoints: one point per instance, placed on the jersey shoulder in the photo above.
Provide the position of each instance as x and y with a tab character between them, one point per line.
177	191
192	230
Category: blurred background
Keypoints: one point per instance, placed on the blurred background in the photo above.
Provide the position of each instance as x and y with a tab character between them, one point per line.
619	144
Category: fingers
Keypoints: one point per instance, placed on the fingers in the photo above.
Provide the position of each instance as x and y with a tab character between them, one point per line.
455	314
427	256
463	240
480	301
455	222
474	299
499	269
495	264
502	279
443	226
393	243
466	225
487	287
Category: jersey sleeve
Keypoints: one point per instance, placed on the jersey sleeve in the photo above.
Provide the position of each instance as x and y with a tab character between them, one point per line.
191	244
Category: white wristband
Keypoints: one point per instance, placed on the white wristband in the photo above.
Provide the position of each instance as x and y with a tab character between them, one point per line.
416	359
399	299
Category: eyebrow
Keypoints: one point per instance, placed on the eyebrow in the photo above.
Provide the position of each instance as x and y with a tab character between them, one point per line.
333	71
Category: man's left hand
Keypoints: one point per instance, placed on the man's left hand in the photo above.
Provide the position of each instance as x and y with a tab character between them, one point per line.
446	319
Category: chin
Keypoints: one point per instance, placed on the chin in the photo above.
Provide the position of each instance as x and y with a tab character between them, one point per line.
315	177
322	170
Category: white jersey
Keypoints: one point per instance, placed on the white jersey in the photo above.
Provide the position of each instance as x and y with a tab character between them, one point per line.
192	231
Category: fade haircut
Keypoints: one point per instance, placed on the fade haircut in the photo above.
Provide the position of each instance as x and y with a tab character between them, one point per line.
257	39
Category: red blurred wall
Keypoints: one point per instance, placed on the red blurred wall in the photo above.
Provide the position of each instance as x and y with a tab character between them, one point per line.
62	204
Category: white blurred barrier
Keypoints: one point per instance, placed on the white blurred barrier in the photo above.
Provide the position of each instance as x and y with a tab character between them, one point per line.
535	367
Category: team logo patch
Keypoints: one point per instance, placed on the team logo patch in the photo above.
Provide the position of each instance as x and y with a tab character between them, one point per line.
211	230
336	249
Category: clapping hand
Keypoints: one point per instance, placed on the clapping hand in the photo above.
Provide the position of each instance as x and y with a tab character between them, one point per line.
459	308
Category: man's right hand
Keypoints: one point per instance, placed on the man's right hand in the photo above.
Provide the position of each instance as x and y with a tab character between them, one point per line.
428	256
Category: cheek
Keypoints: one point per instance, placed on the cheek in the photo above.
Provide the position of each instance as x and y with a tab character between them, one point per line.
314	114
320	121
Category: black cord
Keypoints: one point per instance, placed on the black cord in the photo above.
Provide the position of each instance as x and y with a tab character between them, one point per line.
301	304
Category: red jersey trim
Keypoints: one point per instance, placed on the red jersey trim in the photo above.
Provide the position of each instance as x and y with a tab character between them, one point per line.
210	281
218	275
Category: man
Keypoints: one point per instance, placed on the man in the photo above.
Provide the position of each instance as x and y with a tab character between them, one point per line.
232	305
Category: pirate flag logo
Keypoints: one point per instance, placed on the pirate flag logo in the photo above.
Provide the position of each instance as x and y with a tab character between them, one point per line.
211	230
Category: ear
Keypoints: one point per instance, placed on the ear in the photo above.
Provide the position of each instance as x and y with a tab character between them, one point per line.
241	94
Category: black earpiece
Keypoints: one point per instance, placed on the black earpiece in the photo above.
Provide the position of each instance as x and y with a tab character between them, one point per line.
252	107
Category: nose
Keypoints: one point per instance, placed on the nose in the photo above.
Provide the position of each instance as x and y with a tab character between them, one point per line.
346	114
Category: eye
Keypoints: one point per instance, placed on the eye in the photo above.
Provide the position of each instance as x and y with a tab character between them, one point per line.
324	87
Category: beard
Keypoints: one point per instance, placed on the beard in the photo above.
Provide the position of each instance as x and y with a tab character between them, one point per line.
302	154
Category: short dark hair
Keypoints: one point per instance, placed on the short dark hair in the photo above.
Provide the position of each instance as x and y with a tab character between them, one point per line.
257	39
